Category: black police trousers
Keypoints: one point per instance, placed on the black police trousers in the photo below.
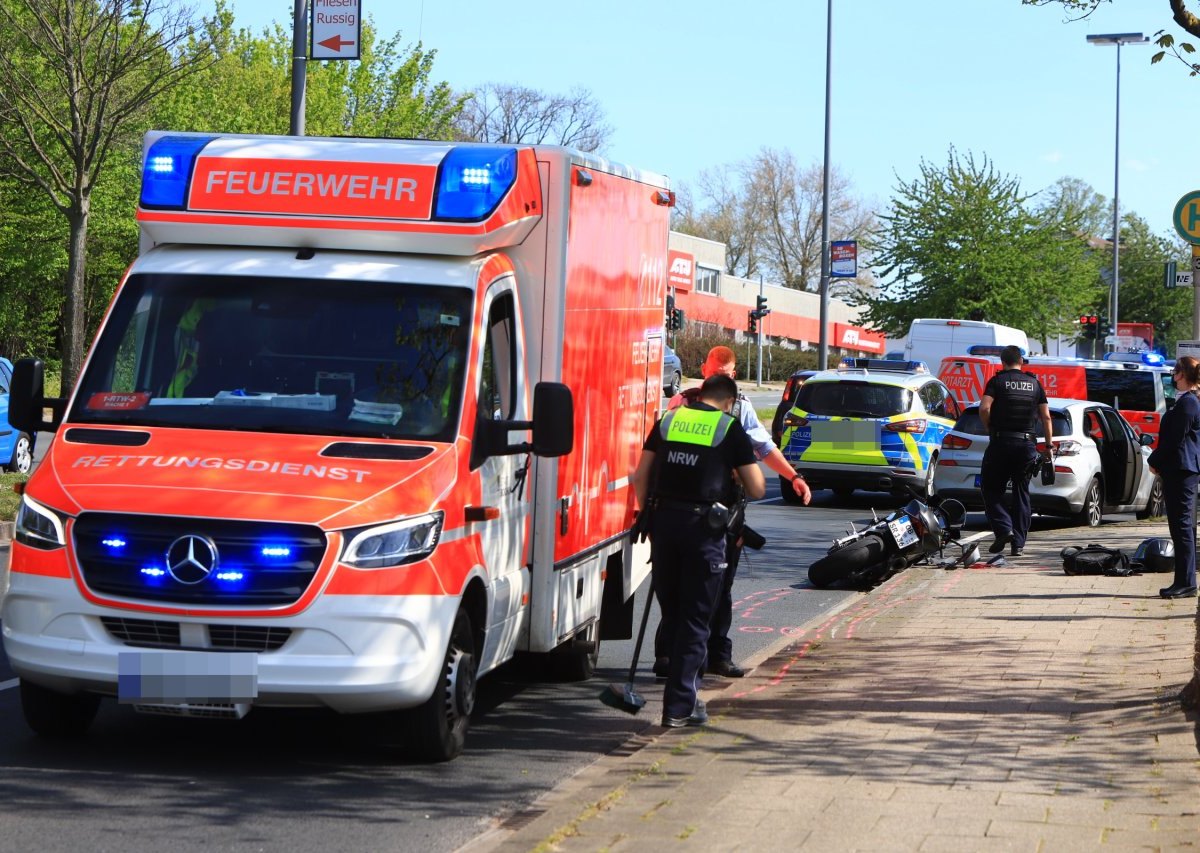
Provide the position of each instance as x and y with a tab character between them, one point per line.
720	647
688	560
1179	494
1005	460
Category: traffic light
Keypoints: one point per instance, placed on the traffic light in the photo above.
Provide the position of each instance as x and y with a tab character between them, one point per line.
676	320
762	310
1089	326
752	322
670	315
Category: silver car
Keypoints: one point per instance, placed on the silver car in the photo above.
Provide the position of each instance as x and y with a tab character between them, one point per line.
1099	465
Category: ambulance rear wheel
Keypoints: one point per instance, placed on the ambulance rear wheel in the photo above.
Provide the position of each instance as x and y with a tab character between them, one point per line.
438	729
577	658
57	715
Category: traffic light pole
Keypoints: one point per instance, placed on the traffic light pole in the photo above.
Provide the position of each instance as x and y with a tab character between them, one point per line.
762	300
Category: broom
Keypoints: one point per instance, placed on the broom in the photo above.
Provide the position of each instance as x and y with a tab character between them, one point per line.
624	697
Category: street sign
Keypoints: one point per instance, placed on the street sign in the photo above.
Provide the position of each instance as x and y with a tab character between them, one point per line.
1183	279
1187	217
1191	348
843	259
336	29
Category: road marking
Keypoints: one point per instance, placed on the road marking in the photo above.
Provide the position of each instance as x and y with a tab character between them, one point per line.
10	684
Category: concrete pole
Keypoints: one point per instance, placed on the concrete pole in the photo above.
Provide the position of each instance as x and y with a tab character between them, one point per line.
299	64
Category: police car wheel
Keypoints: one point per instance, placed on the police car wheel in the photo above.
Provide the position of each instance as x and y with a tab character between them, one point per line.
1155	504
1092	511
842	492
57	715
928	489
852	557
438	728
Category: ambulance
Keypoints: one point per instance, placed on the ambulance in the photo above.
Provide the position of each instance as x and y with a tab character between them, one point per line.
357	428
1140	390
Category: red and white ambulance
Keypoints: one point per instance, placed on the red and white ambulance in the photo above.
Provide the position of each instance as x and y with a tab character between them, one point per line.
357	427
1140	390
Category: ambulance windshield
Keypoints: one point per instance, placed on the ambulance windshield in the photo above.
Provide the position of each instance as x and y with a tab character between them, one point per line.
281	355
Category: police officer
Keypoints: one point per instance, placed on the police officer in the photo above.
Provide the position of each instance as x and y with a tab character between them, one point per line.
686	465
722	360
1011	402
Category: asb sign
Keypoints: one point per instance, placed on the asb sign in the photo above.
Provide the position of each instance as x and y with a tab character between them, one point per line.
336	29
1187	217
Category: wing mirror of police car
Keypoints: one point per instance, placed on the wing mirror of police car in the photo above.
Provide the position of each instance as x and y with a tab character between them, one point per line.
1146	439
27	401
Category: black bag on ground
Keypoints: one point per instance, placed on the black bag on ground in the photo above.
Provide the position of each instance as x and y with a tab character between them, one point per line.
1096	560
1156	554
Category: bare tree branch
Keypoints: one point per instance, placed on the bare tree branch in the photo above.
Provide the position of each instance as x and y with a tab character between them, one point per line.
500	112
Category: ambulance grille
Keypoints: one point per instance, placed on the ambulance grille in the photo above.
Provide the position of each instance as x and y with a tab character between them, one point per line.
161	634
197	561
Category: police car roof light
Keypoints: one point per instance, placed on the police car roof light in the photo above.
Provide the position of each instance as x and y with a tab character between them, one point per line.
472	180
850	362
168	170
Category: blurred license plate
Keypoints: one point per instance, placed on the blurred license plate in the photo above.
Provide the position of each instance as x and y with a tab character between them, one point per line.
186	676
902	532
847	435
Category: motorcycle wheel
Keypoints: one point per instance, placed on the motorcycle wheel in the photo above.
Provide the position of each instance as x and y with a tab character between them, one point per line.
852	557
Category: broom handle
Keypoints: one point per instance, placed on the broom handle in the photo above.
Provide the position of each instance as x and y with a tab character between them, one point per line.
637	647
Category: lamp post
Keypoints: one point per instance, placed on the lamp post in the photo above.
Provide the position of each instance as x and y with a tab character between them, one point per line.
823	348
1118	39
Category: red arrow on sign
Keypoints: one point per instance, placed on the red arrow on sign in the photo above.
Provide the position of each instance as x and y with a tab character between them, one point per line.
335	43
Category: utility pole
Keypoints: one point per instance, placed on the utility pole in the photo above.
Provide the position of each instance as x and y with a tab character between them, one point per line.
299	64
761	323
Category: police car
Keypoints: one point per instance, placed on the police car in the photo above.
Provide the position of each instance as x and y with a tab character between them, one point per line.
870	424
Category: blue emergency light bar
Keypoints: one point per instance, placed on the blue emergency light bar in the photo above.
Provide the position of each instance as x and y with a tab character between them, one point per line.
1151	358
473	180
991	349
168	170
884	364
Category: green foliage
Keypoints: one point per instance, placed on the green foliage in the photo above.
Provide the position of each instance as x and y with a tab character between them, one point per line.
10	500
959	241
1143	298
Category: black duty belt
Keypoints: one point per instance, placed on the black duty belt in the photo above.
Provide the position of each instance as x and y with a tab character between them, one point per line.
1021	436
696	507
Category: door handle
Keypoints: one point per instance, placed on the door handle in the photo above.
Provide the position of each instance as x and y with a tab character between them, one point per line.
481	513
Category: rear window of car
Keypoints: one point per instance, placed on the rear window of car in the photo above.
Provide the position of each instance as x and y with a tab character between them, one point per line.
1132	390
854	399
971	424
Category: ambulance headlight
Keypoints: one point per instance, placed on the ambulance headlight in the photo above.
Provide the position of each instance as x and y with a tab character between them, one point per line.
394	544
472	181
38	526
168	168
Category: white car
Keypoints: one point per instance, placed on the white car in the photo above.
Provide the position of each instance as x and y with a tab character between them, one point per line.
1099	465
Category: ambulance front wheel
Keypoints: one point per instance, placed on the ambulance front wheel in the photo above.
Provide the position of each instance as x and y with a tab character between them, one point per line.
438	729
57	715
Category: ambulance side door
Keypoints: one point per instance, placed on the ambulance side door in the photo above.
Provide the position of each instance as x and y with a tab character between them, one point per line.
502	394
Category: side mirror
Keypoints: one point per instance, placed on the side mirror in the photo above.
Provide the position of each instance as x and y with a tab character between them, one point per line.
1146	440
27	401
553	419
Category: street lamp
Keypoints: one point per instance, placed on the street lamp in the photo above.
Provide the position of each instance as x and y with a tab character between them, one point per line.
823	347
1114	295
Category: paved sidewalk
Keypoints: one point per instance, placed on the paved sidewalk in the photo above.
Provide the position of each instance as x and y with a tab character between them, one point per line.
984	709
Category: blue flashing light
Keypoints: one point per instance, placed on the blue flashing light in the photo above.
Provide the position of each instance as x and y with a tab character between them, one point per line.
116	543
153	571
472	181
229	576
167	170
276	551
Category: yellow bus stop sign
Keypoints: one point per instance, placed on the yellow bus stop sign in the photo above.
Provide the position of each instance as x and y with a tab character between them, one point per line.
1187	217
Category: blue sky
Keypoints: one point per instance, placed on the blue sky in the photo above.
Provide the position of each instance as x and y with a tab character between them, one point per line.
692	85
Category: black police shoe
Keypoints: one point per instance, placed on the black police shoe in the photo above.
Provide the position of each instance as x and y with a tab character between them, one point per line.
727	668
1015	550
698	717
1000	541
1177	591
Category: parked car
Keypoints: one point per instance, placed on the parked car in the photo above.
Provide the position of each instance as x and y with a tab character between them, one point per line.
1100	464
16	447
871	424
790	389
672	372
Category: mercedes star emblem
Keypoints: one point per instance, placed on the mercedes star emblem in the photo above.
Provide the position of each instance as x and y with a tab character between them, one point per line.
191	558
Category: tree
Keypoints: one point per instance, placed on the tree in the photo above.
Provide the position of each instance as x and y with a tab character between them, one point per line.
75	77
1182	16
1143	298
767	210
499	112
958	241
1077	207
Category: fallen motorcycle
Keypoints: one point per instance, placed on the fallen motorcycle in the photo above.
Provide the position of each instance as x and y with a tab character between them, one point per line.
917	532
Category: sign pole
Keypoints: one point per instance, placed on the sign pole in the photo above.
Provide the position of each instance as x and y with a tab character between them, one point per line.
299	65
762	322
1195	294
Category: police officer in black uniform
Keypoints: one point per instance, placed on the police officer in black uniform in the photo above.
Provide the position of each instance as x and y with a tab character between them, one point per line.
1011	402
683	475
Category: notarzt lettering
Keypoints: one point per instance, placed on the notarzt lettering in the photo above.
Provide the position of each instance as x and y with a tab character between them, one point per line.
678	457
